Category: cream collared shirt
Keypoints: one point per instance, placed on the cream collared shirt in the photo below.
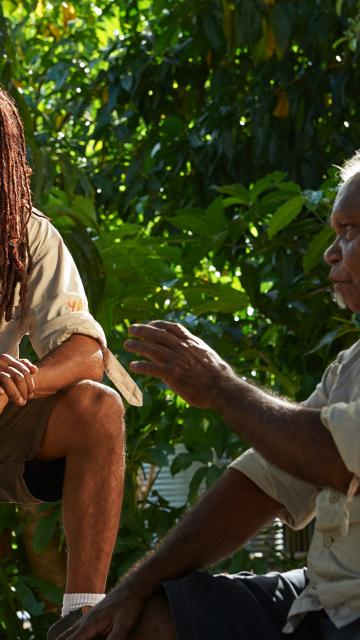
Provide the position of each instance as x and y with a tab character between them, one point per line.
334	554
56	306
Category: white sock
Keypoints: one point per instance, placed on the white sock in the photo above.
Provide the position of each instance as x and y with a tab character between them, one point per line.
72	601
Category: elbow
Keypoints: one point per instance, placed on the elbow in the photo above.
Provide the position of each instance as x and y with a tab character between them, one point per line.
96	376
91	357
97	367
342	483
92	364
337	477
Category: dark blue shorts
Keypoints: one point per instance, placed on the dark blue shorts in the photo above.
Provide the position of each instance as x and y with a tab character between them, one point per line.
246	607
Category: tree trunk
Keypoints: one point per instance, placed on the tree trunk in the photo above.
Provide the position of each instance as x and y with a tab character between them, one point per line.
50	563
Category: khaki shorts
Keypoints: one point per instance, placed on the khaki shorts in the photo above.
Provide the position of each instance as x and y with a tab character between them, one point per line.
23	479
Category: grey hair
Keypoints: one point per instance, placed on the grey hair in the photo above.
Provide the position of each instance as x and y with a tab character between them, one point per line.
350	168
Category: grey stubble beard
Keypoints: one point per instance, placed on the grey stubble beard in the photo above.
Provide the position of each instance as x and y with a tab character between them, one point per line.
337	297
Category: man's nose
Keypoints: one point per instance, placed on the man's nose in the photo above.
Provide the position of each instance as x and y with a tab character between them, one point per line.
333	253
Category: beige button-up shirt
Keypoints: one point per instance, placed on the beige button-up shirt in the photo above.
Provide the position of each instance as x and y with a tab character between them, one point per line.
56	306
334	554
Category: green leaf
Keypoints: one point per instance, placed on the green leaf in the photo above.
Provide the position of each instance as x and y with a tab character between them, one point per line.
282	17
230	202
193	220
250	281
265	183
213	474
284	215
27	598
8	7
156	456
213	297
238	191
173	127
289	186
181	462
212	30
215	216
338	5
248	22
196	481
229	301
124	230
317	247
138	308
50	591
84	211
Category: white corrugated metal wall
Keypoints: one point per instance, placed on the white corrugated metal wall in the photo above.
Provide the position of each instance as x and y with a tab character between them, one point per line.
175	490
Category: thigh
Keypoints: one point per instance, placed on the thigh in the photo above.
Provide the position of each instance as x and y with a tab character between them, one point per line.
155	620
242	606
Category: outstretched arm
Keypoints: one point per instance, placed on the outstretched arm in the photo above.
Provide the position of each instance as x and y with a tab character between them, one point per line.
288	435
223	520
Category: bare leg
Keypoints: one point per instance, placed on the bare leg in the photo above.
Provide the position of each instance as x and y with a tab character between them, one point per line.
87	428
156	621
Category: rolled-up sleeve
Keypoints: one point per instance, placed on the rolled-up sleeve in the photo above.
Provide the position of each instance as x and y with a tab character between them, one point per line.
343	421
320	396
297	497
57	306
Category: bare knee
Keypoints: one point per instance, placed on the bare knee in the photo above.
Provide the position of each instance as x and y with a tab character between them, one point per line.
97	410
88	416
155	622
95	398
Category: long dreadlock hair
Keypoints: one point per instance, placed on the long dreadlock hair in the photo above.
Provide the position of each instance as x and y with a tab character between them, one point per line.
15	208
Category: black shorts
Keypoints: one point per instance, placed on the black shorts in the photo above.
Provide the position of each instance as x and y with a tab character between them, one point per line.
24	479
246	607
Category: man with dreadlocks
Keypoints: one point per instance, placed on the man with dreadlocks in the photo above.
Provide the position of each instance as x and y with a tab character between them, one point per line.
62	432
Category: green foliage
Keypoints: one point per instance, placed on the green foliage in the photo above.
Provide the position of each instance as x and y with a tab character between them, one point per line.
183	153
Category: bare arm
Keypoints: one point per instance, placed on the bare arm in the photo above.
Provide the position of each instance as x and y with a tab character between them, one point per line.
288	435
223	520
77	358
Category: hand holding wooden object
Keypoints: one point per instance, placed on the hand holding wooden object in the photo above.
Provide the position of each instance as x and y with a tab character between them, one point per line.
16	380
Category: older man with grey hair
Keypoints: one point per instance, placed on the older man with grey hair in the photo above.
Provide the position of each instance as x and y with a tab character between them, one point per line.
305	464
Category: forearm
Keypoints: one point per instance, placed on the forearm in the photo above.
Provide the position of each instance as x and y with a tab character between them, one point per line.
78	358
222	521
288	435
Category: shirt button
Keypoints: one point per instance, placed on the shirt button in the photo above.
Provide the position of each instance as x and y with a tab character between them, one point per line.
334	497
328	540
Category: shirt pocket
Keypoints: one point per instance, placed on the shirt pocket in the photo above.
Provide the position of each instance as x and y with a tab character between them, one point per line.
332	509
